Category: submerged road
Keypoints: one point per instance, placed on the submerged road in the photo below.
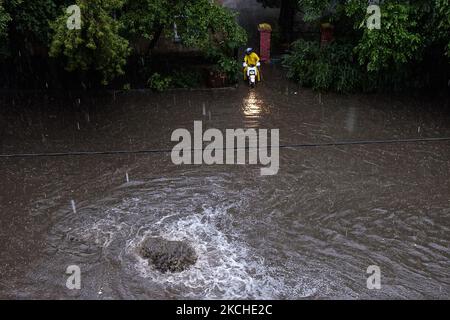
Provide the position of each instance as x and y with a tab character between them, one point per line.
311	231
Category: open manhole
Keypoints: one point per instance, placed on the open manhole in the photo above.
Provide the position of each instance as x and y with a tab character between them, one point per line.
168	256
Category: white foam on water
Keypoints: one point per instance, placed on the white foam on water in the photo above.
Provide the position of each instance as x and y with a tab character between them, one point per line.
226	269
222	269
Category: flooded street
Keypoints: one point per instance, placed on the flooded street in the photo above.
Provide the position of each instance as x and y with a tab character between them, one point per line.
311	231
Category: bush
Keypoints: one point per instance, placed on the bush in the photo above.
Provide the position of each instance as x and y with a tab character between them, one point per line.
230	67
159	83
328	68
322	75
300	62
185	78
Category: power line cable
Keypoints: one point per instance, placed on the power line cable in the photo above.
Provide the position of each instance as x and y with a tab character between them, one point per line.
288	146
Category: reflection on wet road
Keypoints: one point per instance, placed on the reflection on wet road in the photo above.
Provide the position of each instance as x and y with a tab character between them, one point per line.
252	106
309	232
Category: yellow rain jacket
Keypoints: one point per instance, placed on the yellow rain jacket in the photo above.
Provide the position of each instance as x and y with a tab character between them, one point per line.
251	59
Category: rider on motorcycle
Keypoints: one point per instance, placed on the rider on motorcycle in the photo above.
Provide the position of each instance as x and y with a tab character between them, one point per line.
251	58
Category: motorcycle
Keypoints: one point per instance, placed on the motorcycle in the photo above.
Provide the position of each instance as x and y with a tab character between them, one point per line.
252	74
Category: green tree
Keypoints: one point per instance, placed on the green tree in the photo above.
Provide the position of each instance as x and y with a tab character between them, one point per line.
441	24
28	37
147	18
408	30
4	20
414	36
32	21
396	43
317	9
211	28
200	23
98	45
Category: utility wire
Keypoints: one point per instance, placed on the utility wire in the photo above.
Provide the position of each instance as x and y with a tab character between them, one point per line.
290	146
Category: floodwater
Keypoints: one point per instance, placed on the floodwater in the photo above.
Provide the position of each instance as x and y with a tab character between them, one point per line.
311	231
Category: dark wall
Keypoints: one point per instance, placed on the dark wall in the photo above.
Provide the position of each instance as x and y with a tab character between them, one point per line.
252	13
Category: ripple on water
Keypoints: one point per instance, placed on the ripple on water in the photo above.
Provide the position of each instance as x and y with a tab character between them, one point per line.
227	268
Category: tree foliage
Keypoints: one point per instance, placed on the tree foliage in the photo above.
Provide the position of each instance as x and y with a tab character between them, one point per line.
408	30
108	27
4	19
412	34
32	19
441	24
396	43
98	45
201	24
206	26
316	9
211	28
329	68
142	18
